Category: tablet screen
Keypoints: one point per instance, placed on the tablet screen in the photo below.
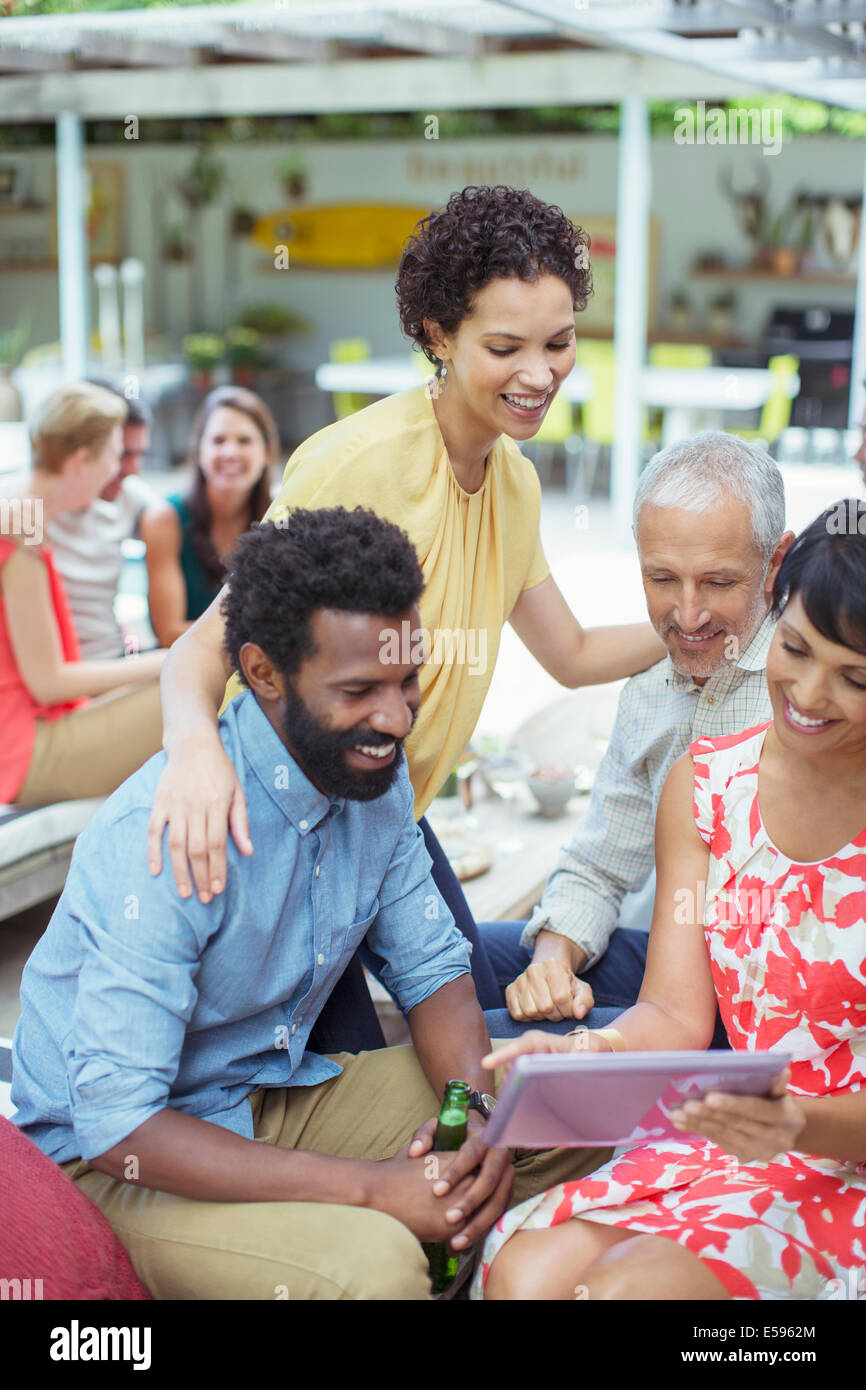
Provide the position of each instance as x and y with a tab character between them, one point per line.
556	1100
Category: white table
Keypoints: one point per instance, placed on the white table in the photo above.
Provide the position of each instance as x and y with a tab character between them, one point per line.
696	398
692	398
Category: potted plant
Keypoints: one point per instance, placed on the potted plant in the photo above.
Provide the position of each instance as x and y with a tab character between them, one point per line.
203	179
173	245
242	221
789	236
720	313
202	352
243	351
679	311
272	320
293	176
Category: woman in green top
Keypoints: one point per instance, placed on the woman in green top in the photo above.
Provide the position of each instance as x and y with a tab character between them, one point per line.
234	445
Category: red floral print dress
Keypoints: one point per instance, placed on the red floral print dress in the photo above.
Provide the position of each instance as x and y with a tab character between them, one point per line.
787	946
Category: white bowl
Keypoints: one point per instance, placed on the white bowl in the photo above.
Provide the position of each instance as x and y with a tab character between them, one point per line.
552	794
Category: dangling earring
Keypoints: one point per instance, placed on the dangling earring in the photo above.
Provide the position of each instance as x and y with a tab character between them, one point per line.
436	384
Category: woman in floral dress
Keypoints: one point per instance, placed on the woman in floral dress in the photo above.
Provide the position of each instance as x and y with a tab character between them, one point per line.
761	907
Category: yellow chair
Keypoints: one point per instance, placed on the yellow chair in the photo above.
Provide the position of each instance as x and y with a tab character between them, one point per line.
776	410
349	350
597	358
680	355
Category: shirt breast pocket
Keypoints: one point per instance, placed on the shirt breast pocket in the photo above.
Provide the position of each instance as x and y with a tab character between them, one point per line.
358	930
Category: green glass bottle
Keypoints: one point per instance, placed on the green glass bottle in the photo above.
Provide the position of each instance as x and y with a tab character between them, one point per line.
450	1135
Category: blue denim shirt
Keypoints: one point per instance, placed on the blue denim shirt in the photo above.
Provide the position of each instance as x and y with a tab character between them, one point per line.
136	999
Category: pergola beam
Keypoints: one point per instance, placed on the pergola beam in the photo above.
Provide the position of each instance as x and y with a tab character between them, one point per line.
272	45
823	79
763	49
15	58
508	80
117	51
404	31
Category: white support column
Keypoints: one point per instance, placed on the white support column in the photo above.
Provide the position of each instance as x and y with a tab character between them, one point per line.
632	255
72	243
857	399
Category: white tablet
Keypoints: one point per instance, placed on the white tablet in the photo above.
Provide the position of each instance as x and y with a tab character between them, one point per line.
597	1099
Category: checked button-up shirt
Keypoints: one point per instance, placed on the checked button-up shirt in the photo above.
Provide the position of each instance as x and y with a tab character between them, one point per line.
660	713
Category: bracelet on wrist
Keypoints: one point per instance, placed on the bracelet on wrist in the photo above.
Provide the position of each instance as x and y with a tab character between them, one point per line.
610	1035
614	1037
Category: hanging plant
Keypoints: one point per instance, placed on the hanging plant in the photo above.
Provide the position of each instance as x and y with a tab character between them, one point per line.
293	176
203	180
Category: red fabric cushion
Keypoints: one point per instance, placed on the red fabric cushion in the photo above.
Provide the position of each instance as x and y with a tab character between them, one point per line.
51	1231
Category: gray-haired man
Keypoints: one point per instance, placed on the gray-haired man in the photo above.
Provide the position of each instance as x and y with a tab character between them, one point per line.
709	519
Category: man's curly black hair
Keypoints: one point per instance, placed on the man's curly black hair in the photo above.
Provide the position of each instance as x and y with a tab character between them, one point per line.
483	234
283	571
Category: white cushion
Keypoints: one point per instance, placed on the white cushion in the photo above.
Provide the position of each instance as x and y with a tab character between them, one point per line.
25	830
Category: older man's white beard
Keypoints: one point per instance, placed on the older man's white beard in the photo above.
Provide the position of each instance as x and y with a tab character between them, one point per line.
735	643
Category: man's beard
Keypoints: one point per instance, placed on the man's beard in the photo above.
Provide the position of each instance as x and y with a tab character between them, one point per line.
701	666
320	753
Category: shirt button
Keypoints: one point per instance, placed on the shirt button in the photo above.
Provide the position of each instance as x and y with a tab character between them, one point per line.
294	1029
320	960
317	871
302	824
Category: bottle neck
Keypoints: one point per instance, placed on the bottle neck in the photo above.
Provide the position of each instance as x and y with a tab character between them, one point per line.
454	1115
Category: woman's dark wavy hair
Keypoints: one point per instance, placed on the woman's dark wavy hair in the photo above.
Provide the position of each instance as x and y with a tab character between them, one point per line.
283	571
483	234
237	398
826	566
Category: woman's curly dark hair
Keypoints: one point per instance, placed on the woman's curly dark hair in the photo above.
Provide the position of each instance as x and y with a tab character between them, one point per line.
480	235
283	571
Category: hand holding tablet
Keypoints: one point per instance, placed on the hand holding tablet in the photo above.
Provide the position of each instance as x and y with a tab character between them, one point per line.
555	1097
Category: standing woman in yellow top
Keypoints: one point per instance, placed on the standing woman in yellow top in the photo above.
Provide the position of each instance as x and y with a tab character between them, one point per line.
488	289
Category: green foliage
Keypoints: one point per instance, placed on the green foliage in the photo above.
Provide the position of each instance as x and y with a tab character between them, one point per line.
203	350
243	347
272	319
850	123
28	7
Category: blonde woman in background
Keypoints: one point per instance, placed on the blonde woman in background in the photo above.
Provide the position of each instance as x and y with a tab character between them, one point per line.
71	728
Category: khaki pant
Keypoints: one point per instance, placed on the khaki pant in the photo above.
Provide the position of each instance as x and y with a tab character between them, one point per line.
91	750
182	1248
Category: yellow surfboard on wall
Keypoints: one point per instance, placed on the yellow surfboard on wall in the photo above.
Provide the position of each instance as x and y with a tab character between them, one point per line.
345	236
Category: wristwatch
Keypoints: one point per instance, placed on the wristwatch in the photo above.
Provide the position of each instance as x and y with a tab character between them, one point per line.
483	1103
